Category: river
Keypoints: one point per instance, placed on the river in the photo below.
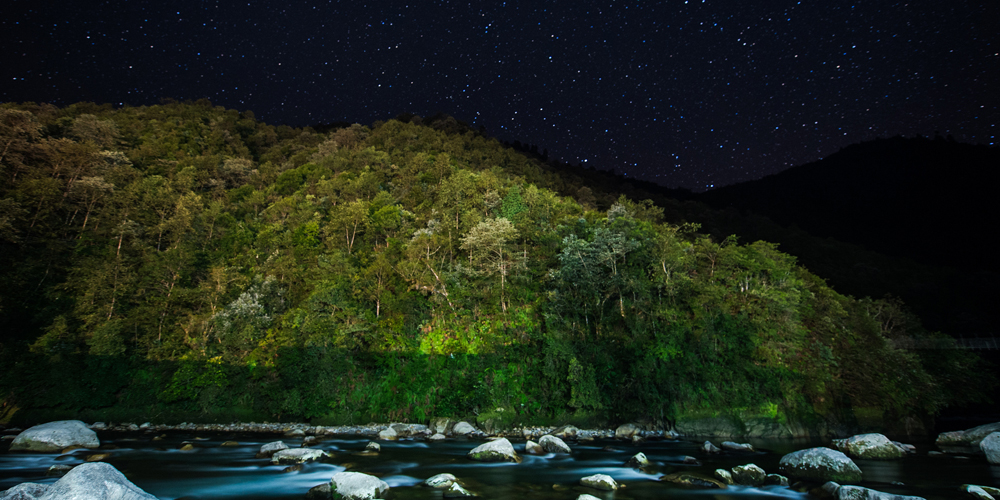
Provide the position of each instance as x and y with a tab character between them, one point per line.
213	471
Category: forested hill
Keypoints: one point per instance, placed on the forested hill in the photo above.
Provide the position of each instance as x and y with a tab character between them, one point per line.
187	262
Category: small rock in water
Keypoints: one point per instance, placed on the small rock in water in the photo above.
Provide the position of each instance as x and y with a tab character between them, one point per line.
637	461
636	439
269	449
693	480
740	447
441	481
602	482
292	468
499	450
456	491
991	447
97	457
553	444
749	475
295	433
357	486
229	443
373	446
388	434
321	492
776	479
689	460
710	448
308	441
976	492
626	431
187	447
533	448
587	497
437	437
724	476
297	456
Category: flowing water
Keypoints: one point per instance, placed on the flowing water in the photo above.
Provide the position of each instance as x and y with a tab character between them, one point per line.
212	471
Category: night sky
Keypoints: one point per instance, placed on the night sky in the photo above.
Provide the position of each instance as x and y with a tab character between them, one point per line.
684	93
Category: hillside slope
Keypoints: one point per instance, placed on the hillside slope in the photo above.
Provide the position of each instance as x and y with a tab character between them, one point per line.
185	262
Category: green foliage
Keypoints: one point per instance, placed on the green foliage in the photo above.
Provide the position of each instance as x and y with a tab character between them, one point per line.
188	262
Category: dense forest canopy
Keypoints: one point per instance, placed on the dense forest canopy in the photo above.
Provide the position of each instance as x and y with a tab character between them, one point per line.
184	261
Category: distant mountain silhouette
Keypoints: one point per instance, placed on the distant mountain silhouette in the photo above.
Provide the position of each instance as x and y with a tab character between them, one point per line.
932	200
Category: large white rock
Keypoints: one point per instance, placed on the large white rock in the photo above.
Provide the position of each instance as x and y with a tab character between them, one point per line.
991	447
553	444
499	450
872	446
89	481
55	436
463	428
357	486
297	456
820	464
600	482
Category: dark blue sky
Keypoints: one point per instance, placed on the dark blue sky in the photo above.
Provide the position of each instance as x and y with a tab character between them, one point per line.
685	93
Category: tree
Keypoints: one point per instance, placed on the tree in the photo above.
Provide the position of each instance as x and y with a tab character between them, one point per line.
491	251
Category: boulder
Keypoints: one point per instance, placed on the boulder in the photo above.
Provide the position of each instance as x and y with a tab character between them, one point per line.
494	451
269	449
441	425
357	486
820	464
388	434
638	460
693	480
566	432
91	481
409	430
456	491
872	446
738	447
24	491
627	431
440	481
859	493
776	479
710	448
749	475
724	476
991	447
373	447
553	444
319	492
602	482
969	437
976	492
55	436
437	437
463	429
533	448
297	456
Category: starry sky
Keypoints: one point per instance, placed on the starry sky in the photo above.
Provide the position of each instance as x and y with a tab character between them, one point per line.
685	93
